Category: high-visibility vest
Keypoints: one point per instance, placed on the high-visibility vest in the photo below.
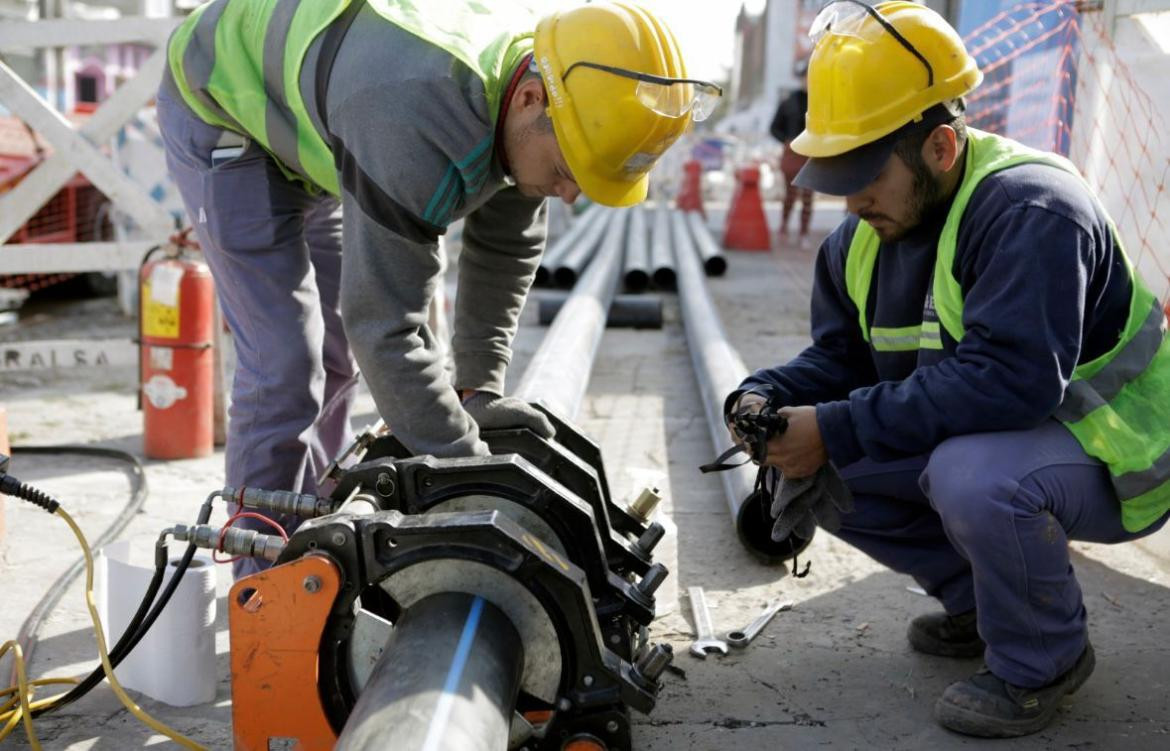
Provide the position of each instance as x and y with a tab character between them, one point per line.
1117	405
250	81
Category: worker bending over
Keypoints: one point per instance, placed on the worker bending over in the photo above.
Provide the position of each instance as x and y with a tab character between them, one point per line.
323	147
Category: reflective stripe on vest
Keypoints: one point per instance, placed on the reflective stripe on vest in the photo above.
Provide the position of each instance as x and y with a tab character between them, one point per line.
906	338
1117	405
238	63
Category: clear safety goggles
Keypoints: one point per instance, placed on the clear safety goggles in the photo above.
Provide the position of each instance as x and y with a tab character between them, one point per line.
848	18
669	97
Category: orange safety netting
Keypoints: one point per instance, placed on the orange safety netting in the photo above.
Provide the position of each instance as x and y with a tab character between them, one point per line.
1057	79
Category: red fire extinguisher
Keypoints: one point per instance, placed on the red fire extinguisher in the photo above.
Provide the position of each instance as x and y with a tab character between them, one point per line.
176	318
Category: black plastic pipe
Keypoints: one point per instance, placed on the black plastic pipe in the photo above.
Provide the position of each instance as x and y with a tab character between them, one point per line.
719	371
661	257
447	681
626	311
570	265
553	254
559	372
714	262
636	270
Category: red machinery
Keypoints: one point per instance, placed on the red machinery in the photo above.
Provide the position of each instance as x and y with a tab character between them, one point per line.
177	362
78	212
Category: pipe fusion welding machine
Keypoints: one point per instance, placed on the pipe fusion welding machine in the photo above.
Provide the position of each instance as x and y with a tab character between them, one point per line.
496	602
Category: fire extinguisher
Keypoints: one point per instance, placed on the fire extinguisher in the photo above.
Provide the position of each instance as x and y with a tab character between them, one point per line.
176	326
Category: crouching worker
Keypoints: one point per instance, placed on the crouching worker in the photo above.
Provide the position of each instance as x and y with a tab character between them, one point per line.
988	374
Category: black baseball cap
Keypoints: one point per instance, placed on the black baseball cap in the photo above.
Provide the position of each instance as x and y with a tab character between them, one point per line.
849	173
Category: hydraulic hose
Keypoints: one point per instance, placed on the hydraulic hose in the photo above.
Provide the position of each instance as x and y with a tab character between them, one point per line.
141	622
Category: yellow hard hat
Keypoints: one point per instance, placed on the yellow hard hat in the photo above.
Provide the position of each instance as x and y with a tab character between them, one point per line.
618	95
875	69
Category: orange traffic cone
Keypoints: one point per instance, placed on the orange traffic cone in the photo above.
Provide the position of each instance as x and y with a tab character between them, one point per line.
747	227
690	198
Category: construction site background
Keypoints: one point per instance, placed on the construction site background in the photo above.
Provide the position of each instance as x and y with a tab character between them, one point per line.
1083	78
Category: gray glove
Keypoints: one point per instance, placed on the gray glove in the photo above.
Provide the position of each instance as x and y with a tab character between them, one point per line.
799	506
494	411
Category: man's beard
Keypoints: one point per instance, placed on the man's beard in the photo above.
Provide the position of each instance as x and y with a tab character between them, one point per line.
927	200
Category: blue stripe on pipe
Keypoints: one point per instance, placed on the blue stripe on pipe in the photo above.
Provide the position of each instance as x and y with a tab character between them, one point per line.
454	675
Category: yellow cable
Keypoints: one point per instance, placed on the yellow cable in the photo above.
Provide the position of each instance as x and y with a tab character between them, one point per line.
8	705
22	689
127	702
41	682
12	723
12	716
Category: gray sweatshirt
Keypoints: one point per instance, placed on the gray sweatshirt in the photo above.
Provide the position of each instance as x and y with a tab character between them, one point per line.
414	143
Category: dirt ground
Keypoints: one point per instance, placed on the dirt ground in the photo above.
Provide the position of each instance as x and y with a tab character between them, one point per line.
835	672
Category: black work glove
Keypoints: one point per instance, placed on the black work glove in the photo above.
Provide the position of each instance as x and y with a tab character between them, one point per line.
492	411
800	505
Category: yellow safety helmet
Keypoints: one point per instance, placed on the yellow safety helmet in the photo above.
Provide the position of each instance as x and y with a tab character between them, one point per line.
874	70
618	95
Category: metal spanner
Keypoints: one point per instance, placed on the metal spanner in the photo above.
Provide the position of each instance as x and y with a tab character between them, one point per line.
705	632
741	639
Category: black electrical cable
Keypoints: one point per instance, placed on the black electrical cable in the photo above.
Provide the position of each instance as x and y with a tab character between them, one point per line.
138	627
119	651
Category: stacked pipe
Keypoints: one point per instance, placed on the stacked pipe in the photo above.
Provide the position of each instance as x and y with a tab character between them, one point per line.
635	271
569	264
714	262
661	255
586	241
571	239
649	259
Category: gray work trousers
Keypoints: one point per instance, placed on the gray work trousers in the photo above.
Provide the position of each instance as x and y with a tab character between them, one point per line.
983	522
275	253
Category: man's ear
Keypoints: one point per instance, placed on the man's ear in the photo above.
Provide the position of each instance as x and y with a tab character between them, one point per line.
529	94
941	149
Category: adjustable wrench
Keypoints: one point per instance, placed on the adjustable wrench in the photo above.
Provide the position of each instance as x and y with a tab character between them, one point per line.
704	631
741	639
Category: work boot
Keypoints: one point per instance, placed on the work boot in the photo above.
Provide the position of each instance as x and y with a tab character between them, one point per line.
946	635
989	707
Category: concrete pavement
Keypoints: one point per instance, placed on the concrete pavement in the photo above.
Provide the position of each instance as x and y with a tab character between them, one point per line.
835	672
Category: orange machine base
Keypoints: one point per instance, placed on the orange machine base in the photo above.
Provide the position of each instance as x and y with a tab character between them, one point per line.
276	619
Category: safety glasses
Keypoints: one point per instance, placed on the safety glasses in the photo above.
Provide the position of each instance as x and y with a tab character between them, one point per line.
669	97
847	18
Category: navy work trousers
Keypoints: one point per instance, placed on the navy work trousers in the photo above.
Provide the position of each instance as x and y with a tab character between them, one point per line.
984	522
275	253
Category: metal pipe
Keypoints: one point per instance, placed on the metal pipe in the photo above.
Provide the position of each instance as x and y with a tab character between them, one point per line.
636	271
553	254
575	258
559	371
719	371
626	311
714	262
447	680
661	255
